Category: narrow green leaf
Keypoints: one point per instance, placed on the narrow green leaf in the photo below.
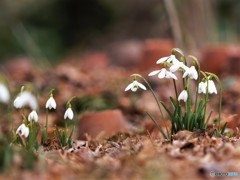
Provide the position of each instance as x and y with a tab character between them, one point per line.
208	118
169	113
223	128
157	125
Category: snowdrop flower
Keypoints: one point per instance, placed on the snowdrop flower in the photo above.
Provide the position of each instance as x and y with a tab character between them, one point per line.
4	94
168	59
163	73
191	73
33	116
25	98
51	103
176	65
183	96
23	129
202	87
134	86
211	87
69	113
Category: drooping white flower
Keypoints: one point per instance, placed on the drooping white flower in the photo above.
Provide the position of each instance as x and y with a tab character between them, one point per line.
183	96
25	98
211	87
68	114
168	59
4	94
51	103
191	73
134	86
23	130
163	73
18	103
176	65
20	128
33	116
202	86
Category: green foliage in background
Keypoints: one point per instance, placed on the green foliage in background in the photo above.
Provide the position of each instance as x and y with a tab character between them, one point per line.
49	28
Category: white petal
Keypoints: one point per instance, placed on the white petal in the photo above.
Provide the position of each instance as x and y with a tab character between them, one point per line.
162	73
212	87
202	87
51	103
174	59
174	67
134	88
171	75
17	103
194	74
184	66
29	100
154	73
129	86
25	99
25	132
33	116
163	59
68	114
20	128
141	86
4	94
183	96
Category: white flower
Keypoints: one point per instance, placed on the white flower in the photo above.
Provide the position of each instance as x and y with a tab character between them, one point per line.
51	103
211	87
134	86
68	114
23	129
191	73
4	94
33	116
163	73
176	65
25	98
18	102
183	96
202	87
25	132
169	59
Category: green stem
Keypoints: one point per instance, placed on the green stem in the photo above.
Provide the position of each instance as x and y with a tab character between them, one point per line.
205	98
175	88
220	98
69	101
66	126
155	97
188	109
198	81
46	123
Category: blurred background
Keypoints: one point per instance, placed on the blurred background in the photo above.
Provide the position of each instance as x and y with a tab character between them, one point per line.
51	30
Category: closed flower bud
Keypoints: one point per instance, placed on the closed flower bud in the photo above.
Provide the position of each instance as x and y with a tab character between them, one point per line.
68	114
33	116
51	103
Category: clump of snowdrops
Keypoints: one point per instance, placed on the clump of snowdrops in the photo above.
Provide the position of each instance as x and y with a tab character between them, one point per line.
192	113
30	134
26	139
